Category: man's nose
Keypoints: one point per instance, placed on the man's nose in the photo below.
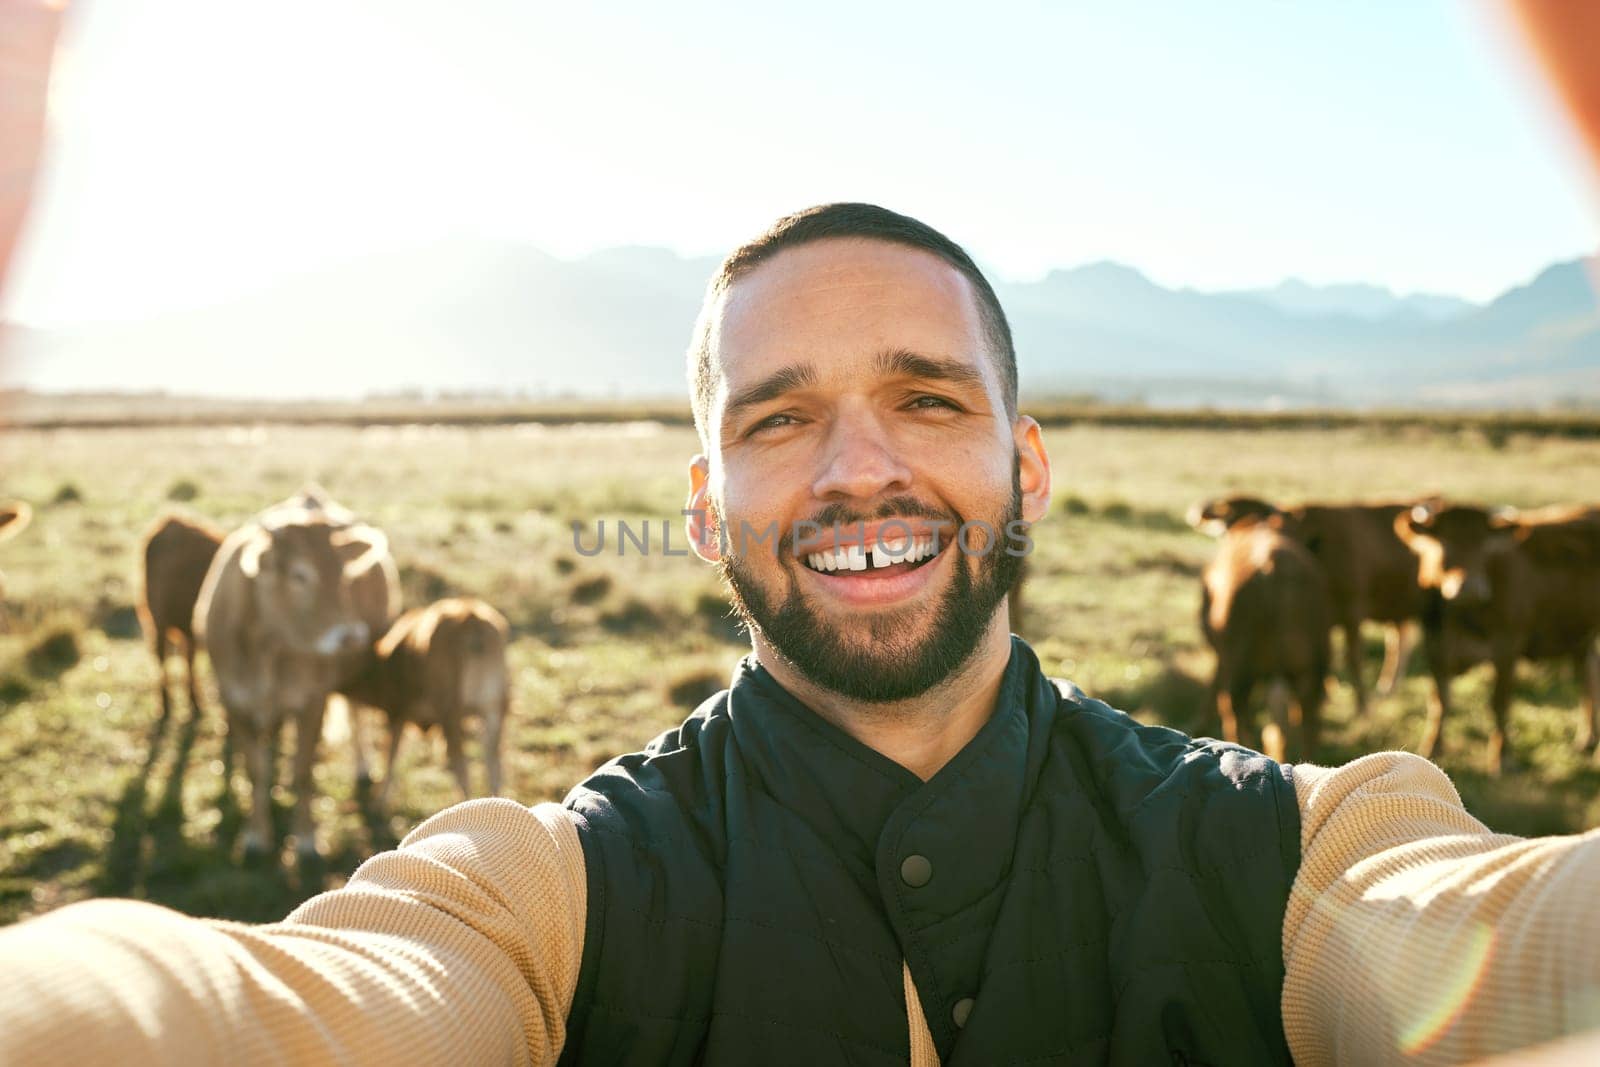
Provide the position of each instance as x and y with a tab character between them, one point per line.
860	461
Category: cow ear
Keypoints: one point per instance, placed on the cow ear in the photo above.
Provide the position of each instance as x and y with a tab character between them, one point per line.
13	517
1205	517
360	546
1503	518
256	551
1409	525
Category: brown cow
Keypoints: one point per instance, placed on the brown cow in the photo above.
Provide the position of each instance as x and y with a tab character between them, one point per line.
281	614
178	551
1264	609
1371	574
14	516
1505	586
438	666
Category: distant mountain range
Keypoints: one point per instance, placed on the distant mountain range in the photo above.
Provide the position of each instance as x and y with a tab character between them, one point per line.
467	315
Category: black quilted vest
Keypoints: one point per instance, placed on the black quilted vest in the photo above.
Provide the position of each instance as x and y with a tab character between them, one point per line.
1072	887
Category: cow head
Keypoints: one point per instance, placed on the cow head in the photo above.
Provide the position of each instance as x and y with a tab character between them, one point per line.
1454	547
303	568
1216	516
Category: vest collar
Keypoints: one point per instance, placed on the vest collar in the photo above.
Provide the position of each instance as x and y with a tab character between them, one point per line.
875	812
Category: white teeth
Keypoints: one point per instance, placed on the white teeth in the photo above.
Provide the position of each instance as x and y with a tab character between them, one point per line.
860	557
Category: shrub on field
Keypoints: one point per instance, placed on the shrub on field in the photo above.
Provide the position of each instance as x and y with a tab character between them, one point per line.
591	589
14	688
716	614
1075	505
116	620
564	565
67	493
54	651
183	490
688	689
421	584
635	616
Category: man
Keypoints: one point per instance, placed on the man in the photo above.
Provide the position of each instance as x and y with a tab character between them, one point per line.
892	838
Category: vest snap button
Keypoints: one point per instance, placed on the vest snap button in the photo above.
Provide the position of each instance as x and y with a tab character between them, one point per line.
962	1009
916	871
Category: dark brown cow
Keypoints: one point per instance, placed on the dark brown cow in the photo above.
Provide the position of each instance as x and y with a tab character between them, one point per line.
1504	587
439	666
178	551
13	517
1371	573
1264	609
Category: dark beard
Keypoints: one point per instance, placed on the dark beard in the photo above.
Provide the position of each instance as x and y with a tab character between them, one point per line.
888	666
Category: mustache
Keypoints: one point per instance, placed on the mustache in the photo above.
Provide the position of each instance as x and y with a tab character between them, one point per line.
840	514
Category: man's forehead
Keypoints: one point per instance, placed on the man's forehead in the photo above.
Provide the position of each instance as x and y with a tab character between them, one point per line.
845	297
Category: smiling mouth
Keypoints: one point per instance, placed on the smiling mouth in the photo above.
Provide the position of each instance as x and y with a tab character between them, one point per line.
886	558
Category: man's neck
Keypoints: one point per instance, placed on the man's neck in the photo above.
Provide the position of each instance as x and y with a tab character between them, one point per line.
921	734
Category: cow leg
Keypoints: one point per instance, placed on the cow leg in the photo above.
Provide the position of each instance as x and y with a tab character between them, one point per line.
163	649
493	727
1398	640
455	749
257	746
1309	695
188	674
358	742
308	735
1589	674
1505	672
1352	660
1274	732
397	730
1239	709
1439	699
1222	703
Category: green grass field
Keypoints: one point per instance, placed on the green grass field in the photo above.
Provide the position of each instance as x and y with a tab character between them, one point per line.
100	797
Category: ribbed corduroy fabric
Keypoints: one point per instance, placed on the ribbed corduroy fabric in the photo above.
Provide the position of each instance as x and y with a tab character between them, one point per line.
459	947
1413	935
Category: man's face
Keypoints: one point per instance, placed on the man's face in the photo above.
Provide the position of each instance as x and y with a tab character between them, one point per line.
858	425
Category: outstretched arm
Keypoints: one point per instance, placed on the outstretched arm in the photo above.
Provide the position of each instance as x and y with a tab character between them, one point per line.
460	946
1415	935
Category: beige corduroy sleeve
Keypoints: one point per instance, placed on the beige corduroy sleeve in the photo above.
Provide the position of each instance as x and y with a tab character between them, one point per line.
1414	935
460	946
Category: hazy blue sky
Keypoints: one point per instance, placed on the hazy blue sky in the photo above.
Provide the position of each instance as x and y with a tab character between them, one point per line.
206	147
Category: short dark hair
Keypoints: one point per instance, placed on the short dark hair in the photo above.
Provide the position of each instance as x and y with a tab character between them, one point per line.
866	221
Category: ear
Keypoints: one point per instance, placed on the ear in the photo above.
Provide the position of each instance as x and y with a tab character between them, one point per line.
360	547
1033	468
13	517
1411	525
698	519
1202	515
257	550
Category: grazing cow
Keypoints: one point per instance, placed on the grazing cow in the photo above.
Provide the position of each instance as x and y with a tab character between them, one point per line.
13	517
438	666
286	611
1264	609
1371	573
1502	587
178	551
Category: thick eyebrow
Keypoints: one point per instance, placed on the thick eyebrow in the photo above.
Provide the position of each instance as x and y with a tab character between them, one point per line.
774	385
905	363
